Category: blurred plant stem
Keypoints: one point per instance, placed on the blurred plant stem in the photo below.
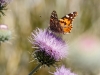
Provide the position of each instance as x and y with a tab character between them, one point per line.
35	69
0	45
0	49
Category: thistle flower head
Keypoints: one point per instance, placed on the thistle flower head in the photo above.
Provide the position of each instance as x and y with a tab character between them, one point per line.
50	48
5	33
3	4
63	71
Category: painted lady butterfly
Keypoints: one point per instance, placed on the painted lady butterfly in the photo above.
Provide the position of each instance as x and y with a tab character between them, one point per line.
63	25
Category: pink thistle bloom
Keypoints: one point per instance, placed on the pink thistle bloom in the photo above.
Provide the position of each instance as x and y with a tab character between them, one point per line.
48	47
63	71
5	33
3	27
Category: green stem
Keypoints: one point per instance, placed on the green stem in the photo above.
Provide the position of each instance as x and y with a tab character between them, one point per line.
35	69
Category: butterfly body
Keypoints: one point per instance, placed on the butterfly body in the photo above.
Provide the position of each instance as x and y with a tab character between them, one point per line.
63	25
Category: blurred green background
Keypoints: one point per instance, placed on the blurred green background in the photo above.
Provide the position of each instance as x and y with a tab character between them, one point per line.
24	16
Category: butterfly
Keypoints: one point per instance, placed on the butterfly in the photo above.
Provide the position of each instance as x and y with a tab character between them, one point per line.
63	25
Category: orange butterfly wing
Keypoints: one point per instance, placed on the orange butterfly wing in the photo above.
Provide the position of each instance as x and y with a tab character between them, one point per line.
66	22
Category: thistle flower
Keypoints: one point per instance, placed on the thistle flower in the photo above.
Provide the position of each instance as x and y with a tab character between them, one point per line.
3	4
49	48
5	33
63	71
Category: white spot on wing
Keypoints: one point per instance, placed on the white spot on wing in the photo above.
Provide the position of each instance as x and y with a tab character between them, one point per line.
71	17
67	16
72	13
52	15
